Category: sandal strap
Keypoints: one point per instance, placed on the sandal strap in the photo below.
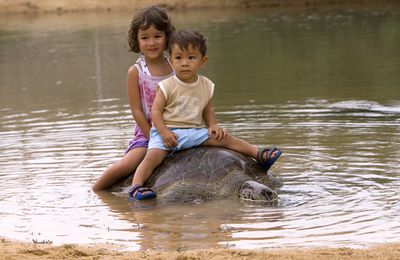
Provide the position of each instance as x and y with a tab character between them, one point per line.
138	192
261	152
134	189
260	156
144	189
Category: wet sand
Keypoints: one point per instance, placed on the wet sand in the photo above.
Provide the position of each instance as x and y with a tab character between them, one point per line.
19	250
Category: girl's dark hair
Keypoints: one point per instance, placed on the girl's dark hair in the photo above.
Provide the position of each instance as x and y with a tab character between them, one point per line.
153	15
185	39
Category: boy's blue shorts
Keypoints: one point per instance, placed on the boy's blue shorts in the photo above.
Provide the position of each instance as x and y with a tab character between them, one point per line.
187	138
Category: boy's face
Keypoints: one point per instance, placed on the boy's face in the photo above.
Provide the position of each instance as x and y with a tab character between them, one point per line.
186	63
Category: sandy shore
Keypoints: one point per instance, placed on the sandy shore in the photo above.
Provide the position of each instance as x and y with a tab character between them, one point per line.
18	250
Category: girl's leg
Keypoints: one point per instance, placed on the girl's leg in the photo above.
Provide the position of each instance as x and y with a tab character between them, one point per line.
120	169
153	158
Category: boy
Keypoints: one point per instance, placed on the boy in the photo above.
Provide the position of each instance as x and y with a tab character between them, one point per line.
183	114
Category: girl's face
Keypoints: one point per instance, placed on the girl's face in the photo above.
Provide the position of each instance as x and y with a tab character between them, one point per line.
152	42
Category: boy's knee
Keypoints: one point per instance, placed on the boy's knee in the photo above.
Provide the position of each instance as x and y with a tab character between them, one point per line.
214	142
155	155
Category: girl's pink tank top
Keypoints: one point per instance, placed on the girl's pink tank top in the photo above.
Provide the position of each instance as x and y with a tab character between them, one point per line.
147	88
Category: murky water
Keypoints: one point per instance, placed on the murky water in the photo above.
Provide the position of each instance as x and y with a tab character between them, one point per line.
324	86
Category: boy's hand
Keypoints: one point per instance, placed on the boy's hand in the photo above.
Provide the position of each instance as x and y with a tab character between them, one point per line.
169	138
217	133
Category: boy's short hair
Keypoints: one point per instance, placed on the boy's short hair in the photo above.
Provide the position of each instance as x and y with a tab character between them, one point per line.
185	39
153	15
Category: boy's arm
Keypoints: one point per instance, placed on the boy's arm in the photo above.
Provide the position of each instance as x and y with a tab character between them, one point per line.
169	138
214	131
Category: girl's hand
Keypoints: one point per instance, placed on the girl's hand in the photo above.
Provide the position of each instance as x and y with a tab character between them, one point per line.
217	133
170	139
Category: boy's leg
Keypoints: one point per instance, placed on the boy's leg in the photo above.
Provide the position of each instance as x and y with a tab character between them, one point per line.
153	158
239	145
235	144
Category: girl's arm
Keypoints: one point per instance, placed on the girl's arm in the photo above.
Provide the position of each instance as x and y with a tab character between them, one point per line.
169	138
214	131
135	101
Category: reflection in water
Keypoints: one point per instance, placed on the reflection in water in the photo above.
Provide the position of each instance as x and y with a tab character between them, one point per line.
187	226
323	86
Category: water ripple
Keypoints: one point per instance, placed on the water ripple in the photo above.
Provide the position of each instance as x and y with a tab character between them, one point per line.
339	168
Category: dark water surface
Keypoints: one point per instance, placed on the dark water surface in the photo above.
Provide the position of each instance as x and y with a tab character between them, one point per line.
324	86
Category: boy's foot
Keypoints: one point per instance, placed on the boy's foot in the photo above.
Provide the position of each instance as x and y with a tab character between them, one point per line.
272	154
138	192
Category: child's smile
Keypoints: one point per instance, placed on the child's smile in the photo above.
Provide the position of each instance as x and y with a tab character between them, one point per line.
151	42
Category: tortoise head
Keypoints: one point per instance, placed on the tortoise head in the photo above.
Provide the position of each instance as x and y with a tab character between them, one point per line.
252	190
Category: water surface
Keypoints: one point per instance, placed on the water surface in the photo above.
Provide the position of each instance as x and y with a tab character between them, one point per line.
324	86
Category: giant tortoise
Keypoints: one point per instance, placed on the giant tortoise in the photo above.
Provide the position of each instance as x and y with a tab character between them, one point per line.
210	173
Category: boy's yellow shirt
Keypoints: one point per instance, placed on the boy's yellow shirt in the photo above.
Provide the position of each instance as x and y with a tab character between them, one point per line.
185	102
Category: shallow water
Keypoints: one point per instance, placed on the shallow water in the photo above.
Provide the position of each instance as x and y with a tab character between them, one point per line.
323	86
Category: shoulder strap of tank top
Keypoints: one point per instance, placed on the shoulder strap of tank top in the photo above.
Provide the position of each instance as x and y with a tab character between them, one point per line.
143	65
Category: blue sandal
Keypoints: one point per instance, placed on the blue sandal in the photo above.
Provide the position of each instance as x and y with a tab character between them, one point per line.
138	192
266	164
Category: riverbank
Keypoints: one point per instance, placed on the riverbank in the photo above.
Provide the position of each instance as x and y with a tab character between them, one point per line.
18	250
51	6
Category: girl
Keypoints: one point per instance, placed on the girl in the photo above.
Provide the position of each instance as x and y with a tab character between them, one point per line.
148	35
